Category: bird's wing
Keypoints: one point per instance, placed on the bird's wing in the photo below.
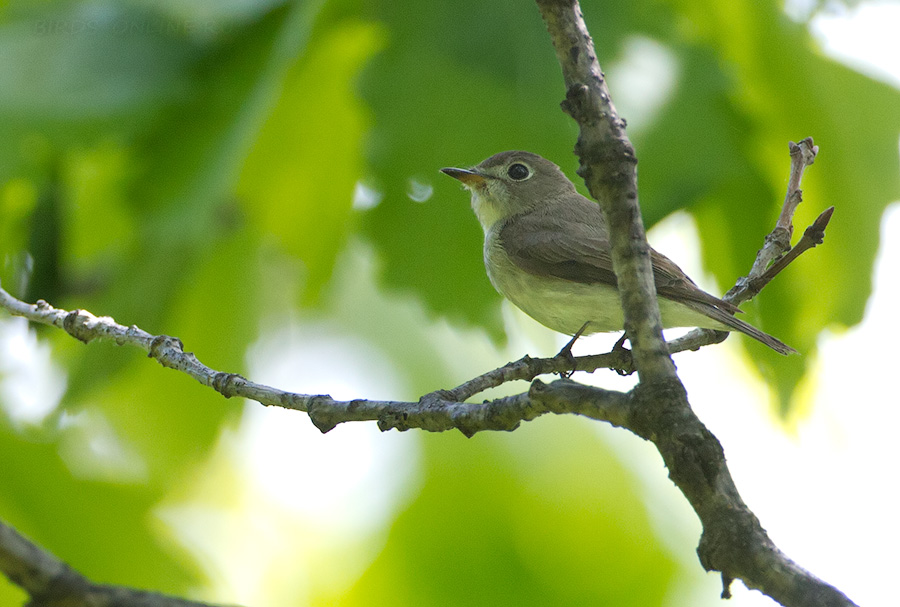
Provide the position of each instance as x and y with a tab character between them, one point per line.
548	245
578	249
673	283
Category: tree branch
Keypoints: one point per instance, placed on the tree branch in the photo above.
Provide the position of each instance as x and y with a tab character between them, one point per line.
52	583
436	412
771	259
733	542
776	253
608	167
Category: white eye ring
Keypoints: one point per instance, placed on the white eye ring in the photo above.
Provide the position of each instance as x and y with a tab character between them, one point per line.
518	171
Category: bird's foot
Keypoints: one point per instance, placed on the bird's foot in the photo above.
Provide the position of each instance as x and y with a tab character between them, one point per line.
566	352
627	368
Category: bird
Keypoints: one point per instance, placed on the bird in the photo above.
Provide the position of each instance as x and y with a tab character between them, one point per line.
547	250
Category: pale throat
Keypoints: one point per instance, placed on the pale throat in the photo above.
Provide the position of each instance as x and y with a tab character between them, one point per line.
486	210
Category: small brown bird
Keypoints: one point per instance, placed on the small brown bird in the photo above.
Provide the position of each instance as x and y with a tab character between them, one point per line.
546	249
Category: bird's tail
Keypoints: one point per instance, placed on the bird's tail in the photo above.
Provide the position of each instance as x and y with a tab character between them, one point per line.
736	324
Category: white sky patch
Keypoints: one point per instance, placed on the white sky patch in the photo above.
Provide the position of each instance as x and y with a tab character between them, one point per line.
349	477
642	80
319	502
92	449
822	488
365	197
864	37
31	384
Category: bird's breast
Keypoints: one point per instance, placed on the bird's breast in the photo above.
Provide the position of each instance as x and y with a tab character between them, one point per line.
558	304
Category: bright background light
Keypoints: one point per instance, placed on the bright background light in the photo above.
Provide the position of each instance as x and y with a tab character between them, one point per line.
276	489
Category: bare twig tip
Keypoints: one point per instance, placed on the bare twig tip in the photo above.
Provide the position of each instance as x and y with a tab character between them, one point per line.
824	217
816	232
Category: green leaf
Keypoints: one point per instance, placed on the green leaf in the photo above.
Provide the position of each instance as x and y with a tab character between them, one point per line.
95	526
297	184
189	268
208	18
530	524
179	195
84	63
440	101
770	100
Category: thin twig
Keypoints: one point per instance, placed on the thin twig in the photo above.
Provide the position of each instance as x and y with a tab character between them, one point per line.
813	236
778	241
438	411
803	154
776	254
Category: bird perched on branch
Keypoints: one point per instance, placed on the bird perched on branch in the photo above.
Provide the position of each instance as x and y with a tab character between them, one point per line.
546	249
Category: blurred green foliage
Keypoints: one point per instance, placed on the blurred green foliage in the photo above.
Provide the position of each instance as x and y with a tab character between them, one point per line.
162	161
558	523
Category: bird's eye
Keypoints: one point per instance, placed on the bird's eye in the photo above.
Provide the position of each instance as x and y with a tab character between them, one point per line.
518	172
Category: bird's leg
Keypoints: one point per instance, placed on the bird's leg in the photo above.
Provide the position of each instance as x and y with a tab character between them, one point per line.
566	351
620	347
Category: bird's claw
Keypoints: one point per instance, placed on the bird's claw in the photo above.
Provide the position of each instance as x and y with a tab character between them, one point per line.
628	368
566	353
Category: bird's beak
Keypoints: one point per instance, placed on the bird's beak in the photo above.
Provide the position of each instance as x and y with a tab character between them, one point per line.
468	177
